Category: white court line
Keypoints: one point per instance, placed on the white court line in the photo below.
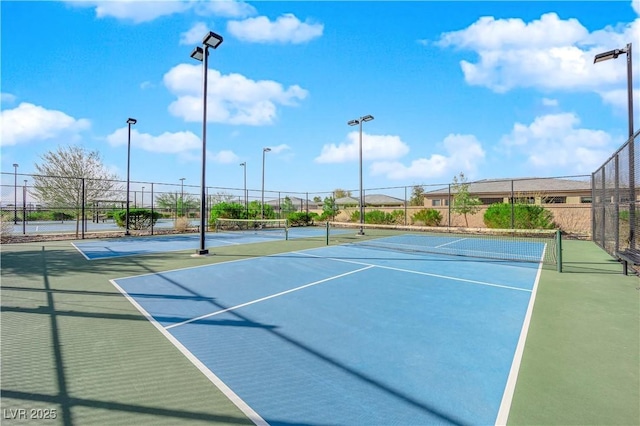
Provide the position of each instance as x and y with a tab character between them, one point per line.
233	397
507	397
410	271
81	252
451	242
266	298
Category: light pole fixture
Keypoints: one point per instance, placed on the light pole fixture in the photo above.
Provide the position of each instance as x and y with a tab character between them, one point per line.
613	54
212	40
264	151
246	201
182	196
359	121
130	121
15	193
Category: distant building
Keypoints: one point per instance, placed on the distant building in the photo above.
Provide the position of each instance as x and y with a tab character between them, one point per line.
531	191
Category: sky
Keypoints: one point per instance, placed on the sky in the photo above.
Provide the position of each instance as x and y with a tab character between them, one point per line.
499	89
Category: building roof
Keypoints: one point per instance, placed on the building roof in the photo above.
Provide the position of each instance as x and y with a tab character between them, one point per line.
520	185
371	200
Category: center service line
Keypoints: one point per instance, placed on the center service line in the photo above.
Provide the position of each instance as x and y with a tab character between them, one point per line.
267	297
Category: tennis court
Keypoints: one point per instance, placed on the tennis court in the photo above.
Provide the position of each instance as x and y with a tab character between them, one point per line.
374	329
349	335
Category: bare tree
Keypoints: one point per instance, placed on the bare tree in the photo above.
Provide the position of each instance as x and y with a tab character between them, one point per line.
464	203
62	174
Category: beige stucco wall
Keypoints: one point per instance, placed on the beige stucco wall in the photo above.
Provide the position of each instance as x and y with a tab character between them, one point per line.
571	218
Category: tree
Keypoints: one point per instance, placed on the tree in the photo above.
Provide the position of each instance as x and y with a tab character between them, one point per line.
329	208
317	199
463	202
176	201
287	206
417	196
63	175
341	193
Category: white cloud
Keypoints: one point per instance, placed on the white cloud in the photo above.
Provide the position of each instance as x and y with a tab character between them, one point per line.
619	99
374	147
28	122
555	142
547	53
146	85
549	102
136	11
7	98
279	148
195	34
224	157
285	29
165	143
139	11
186	145
225	8
231	98
635	4
463	153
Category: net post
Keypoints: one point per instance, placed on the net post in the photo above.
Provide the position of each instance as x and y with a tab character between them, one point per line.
327	233
559	249
286	229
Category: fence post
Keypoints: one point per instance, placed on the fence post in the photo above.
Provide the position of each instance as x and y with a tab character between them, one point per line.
593	206
616	203
83	201
604	209
151	208
513	226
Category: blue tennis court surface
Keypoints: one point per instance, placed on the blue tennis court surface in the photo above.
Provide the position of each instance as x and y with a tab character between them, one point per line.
349	335
132	246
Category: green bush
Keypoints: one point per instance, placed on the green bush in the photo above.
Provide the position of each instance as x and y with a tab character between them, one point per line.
525	216
379	217
138	218
428	217
301	218
225	210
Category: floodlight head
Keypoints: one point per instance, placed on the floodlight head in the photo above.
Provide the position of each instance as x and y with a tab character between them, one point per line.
353	122
612	54
367	118
15	164
243	164
212	40
266	149
131	121
198	53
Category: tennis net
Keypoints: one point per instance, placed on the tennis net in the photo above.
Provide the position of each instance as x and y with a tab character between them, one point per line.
505	244
269	228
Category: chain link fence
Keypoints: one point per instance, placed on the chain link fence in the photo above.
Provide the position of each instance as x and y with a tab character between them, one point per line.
41	205
615	200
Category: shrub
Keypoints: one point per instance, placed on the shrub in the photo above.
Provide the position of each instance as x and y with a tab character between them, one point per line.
379	217
525	216
226	210
181	224
138	218
428	217
301	218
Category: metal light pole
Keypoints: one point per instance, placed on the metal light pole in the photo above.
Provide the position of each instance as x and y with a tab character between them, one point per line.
264	151
212	40
613	54
142	196
130	121
182	196
15	193
246	202
359	122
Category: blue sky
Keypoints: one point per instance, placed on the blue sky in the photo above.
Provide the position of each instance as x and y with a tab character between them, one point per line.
491	89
